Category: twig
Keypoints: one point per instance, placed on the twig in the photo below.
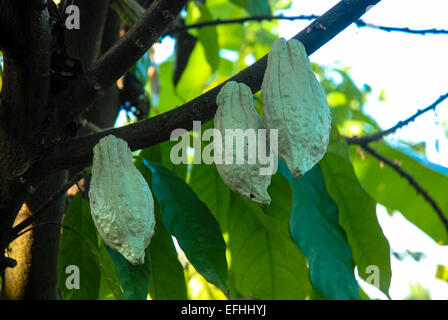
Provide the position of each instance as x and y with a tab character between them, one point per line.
15	231
42	224
238	21
359	23
410	179
90	126
7	262
379	135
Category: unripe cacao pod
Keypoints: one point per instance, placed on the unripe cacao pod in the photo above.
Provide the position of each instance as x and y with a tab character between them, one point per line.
236	113
295	104
121	202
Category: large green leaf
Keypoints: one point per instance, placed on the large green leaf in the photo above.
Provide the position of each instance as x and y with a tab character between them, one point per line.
190	85
264	261
279	4
209	39
390	189
134	279
108	273
254	7
76	249
167	274
167	98
315	229
230	36
357	212
194	78
190	221
160	153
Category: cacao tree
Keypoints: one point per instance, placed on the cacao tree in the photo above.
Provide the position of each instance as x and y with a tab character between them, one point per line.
63	84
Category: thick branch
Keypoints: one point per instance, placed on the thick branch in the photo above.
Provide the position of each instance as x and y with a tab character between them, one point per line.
158	129
15	231
114	63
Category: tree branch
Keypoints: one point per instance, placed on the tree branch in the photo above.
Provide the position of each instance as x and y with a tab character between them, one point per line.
359	23
379	135
114	63
155	130
238	21
410	179
15	231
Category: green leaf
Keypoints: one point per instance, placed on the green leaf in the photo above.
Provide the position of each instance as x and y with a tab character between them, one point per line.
279	4
254	7
128	13
258	7
194	78
264	261
190	85
190	221
108	272
209	39
230	36
266	264
167	274
357	211
72	251
315	229
134	279
393	191
160	153
167	97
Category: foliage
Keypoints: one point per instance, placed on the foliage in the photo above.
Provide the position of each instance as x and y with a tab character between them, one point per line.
210	243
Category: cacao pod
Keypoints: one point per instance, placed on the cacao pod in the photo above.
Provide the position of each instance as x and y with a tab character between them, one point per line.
295	104
236	113
121	202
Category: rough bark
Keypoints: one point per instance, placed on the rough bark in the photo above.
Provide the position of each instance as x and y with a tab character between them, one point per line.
35	276
26	40
36	252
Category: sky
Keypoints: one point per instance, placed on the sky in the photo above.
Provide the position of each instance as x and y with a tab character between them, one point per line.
412	71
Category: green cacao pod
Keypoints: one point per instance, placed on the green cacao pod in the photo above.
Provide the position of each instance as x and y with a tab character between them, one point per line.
295	104
237	115
121	202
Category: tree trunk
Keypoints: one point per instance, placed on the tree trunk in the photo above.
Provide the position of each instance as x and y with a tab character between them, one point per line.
35	276
36	252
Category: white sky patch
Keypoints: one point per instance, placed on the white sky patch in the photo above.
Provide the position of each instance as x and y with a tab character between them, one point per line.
249	59
164	49
230	55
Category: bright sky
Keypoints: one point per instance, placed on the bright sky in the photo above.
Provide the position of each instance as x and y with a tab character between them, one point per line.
412	70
